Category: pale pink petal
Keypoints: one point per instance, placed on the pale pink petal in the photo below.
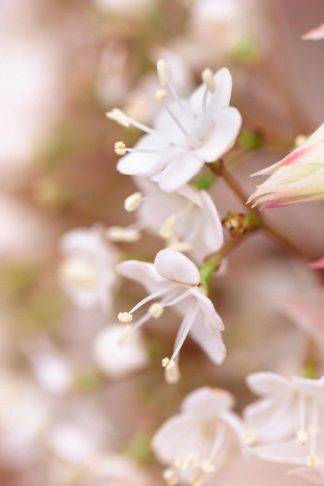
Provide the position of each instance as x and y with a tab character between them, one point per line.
315	34
180	171
176	267
318	264
210	340
312	474
287	452
212	318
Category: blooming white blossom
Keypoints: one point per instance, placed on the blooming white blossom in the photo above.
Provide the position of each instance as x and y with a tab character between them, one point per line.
113	358
174	280
197	442
287	420
315	34
186	133
87	272
296	178
187	219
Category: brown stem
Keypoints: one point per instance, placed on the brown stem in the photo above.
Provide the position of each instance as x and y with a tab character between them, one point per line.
220	169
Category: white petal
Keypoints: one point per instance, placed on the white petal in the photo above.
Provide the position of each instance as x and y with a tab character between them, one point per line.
145	164
176	267
207	401
116	359
180	171
267	383
287	452
179	437
212	318
226	126
209	339
221	96
142	272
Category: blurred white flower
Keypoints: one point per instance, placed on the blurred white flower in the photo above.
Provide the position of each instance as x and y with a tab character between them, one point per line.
187	133
287	419
52	370
125	8
113	358
24	415
173	280
186	219
296	178
197	442
315	34
87	272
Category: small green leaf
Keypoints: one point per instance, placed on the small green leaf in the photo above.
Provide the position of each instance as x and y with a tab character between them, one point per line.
208	268
250	140
139	448
309	371
205	181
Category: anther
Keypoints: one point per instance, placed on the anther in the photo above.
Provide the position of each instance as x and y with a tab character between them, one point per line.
170	477
302	437
118	116
208	80
168	227
172	372
156	310
126	337
163	71
133	201
120	148
312	460
118	233
250	438
160	95
125	317
207	466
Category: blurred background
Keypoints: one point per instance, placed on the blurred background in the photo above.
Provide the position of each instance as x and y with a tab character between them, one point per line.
63	65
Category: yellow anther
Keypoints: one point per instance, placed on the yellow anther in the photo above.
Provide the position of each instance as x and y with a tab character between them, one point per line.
133	201
120	148
125	317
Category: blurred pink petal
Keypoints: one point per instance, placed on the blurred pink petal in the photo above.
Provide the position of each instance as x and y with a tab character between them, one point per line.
315	34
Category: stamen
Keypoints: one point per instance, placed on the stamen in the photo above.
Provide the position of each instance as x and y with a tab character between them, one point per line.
207	466
118	233
250	438
126	337
133	201
156	310
160	95
208	80
170	477
168	227
163	71
312	460
125	317
182	246
118	116
150	297
302	437
120	148
172	372
184	330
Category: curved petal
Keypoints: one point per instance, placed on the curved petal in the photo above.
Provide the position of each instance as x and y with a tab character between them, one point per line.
207	401
209	339
179	437
267	383
226	126
144	163
173	265
212	318
287	452
221	96
142	272
180	171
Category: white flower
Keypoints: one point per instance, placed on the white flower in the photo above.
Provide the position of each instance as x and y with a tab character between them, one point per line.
87	272
186	134
187	219
288	419
113	357
173	280
125	8
197	442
